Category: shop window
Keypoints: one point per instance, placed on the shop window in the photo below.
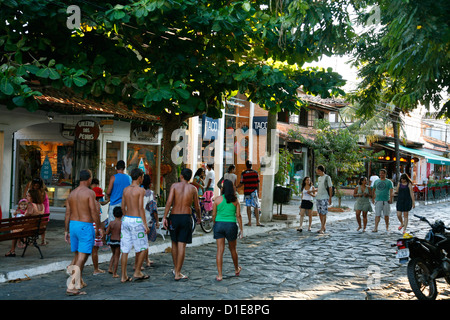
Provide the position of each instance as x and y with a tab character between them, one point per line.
52	161
144	157
113	154
303	121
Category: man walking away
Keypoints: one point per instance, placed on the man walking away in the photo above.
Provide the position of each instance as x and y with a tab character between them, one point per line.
134	228
180	199
250	180
117	184
81	213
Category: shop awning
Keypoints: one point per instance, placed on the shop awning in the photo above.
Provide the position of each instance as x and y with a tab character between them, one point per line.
430	157
65	100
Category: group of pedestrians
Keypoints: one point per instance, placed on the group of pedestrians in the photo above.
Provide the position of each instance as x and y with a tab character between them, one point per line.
127	223
379	192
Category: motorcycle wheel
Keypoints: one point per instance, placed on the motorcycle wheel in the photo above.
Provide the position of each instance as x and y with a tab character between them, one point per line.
419	279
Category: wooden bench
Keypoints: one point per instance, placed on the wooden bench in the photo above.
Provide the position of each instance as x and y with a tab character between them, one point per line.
27	228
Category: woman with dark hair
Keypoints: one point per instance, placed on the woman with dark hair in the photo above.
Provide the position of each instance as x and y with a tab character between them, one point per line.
308	192
198	181
38	184
226	212
405	200
362	204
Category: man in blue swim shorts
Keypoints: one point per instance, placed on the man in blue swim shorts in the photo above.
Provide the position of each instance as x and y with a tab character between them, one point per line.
81	213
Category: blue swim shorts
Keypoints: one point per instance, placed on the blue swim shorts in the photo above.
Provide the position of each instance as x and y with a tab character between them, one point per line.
82	236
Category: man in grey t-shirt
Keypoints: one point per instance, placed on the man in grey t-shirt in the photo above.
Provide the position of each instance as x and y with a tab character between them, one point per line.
323	196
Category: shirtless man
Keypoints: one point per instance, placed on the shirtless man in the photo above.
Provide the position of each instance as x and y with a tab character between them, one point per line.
134	226
181	196
81	212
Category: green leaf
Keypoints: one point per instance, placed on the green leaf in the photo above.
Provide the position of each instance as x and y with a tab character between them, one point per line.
32	68
115	81
79	82
6	87
119	15
19	101
53	74
43	73
183	93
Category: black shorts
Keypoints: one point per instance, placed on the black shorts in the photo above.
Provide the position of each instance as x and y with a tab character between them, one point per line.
306	204
181	228
228	230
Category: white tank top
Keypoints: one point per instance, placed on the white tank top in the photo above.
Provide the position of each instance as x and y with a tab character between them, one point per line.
306	195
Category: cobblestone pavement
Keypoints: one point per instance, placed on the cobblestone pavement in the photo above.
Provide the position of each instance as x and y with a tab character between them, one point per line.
278	264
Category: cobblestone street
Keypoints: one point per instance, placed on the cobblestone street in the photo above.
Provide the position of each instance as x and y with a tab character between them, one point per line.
279	264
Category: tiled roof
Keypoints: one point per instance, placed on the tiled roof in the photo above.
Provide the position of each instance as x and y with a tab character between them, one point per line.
66	101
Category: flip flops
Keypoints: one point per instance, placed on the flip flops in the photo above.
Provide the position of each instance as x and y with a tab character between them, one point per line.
75	293
144	277
183	278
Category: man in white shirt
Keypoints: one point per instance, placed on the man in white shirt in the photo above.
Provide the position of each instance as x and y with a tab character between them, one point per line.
209	177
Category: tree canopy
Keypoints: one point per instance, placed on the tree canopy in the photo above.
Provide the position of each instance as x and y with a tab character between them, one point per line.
180	56
404	60
171	58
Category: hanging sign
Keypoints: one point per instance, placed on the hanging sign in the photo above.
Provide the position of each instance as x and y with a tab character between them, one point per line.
260	125
87	130
210	128
142	165
46	170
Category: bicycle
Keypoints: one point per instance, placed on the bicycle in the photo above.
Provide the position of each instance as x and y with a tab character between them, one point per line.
207	220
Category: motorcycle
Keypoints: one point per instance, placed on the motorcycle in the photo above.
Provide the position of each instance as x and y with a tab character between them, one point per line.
427	258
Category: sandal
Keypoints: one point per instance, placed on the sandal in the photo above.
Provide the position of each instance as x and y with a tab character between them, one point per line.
10	254
239	271
182	278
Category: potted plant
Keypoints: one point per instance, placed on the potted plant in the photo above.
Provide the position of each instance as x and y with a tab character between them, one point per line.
282	193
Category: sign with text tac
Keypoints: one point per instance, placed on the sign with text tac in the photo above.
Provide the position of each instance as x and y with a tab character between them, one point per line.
260	123
87	130
210	128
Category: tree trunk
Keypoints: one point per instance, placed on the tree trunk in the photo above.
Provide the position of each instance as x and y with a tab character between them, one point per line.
169	123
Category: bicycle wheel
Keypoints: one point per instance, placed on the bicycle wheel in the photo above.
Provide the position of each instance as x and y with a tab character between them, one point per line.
193	220
207	221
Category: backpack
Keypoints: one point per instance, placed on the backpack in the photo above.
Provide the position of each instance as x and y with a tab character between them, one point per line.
333	189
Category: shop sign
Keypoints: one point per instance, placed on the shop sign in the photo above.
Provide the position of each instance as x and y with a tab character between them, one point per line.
260	123
87	130
144	133
210	128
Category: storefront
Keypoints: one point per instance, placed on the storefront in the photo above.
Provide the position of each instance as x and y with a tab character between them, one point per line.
48	145
419	164
238	136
